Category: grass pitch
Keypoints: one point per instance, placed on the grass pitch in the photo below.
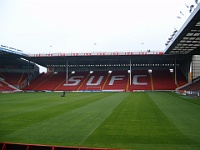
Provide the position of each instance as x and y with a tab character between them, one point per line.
150	120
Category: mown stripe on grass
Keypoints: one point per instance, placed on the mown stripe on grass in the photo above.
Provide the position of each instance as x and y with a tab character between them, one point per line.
137	121
182	113
36	107
26	102
70	127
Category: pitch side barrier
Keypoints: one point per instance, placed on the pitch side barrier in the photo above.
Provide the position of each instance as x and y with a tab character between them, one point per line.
193	93
190	93
122	90
19	146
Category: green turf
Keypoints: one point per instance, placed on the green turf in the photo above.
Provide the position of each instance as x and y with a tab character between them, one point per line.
150	120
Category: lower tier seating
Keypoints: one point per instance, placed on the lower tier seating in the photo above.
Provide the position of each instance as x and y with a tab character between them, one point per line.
5	87
194	86
102	80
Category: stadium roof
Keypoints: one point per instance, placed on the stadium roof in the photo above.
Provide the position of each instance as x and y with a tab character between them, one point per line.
187	39
11	56
107	62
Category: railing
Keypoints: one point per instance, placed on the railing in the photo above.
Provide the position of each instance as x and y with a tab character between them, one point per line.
19	146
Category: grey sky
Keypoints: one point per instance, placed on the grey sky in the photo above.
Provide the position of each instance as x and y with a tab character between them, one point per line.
43	26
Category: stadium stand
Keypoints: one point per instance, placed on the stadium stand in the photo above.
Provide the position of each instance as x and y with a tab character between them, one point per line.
181	80
14	79
73	83
102	80
163	80
37	81
51	82
192	88
117	81
195	86
94	81
5	87
10	81
141	80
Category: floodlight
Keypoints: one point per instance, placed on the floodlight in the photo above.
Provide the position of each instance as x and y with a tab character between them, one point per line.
73	72
109	71
171	70
149	70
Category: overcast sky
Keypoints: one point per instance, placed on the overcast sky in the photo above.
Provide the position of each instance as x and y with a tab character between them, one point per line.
43	26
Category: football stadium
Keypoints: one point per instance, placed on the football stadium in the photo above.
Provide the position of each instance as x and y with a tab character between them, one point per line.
103	100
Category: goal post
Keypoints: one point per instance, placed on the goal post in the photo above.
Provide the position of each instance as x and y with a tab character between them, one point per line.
93	88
